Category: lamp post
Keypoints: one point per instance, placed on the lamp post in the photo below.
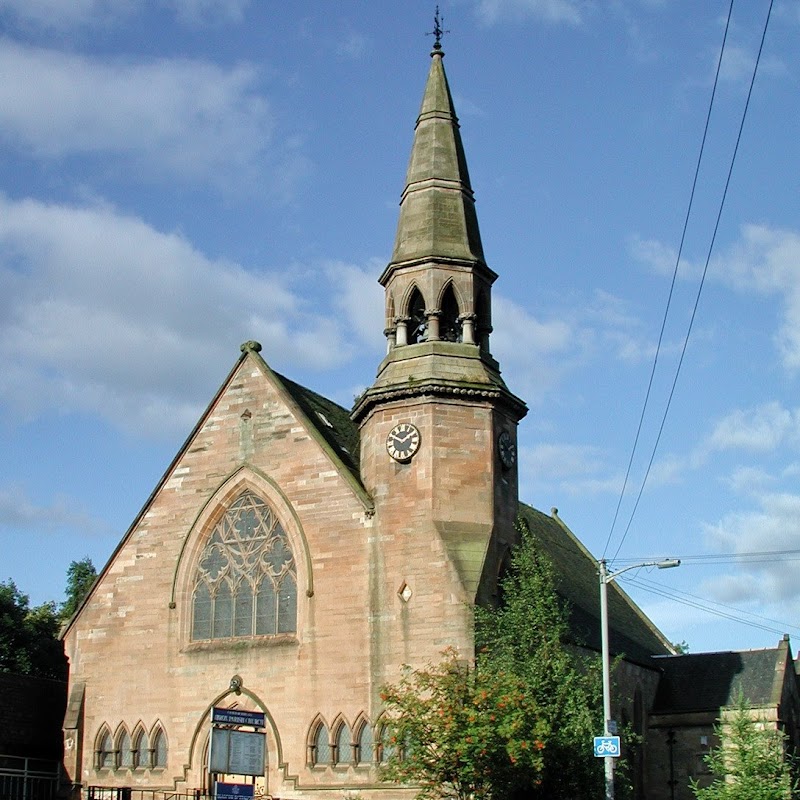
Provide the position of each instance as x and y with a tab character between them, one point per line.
605	578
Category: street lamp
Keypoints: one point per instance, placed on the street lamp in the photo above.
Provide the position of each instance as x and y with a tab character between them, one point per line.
605	578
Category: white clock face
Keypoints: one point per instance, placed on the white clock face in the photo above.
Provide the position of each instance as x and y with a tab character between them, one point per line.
403	441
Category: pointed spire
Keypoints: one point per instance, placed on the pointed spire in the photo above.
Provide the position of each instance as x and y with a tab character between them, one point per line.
437	208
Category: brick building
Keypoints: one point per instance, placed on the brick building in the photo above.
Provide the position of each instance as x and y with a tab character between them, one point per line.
295	554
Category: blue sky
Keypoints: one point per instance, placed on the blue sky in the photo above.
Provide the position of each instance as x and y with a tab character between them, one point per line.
179	176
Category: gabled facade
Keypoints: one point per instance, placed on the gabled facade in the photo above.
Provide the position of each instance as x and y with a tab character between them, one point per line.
295	555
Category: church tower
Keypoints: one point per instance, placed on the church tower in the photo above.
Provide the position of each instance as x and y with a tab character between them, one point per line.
438	425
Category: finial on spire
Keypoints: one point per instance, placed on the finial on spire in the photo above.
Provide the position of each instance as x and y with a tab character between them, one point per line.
437	31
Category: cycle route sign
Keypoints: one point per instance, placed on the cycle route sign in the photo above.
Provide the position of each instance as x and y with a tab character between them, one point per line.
607	746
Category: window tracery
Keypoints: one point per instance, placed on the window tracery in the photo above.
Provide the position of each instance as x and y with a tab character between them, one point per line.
246	579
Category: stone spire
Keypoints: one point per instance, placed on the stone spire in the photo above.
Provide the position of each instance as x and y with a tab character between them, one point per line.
437	207
438	286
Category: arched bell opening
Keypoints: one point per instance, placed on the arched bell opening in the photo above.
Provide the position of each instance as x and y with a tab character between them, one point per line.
450	329
417	318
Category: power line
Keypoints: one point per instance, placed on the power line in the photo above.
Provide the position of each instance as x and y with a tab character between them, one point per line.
703	277
672	284
753	557
714	608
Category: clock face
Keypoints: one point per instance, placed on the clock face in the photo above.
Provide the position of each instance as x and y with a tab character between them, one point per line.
507	450
403	441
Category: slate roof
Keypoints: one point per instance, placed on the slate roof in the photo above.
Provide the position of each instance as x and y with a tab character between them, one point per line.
710	681
331	421
631	633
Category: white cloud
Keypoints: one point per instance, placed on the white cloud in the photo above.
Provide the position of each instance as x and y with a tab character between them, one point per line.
360	301
566	469
18	511
556	11
764	260
536	352
102	313
760	429
188	118
69	14
774	526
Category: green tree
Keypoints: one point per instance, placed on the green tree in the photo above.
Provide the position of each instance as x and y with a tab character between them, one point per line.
751	762
462	733
29	643
81	576
520	720
528	636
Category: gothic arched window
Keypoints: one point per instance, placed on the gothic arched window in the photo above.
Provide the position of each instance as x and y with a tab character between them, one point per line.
321	746
344	746
418	320
449	324
104	750
364	744
141	750
124	751
159	749
246	580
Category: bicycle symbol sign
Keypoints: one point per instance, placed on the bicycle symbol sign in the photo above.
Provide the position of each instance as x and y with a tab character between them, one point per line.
606	746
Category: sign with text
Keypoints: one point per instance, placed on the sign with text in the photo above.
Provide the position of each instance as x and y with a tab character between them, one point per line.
236	752
233	791
235	716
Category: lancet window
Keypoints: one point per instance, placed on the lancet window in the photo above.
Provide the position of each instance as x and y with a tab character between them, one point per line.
141	752
246	579
449	323
363	754
344	747
417	319
124	750
321	746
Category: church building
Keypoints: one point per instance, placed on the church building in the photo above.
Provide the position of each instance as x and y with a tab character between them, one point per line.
295	554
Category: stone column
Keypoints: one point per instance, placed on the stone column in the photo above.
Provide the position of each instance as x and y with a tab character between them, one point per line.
401	331
467	328
433	316
391	338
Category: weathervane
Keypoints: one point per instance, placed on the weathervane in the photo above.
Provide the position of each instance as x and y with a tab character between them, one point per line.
437	31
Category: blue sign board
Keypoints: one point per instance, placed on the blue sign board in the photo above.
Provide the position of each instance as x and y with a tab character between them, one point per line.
233	791
606	746
234	716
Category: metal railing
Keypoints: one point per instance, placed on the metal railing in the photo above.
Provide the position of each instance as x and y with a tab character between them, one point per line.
28	778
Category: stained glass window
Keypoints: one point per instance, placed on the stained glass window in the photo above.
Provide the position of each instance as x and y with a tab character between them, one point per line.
246	580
